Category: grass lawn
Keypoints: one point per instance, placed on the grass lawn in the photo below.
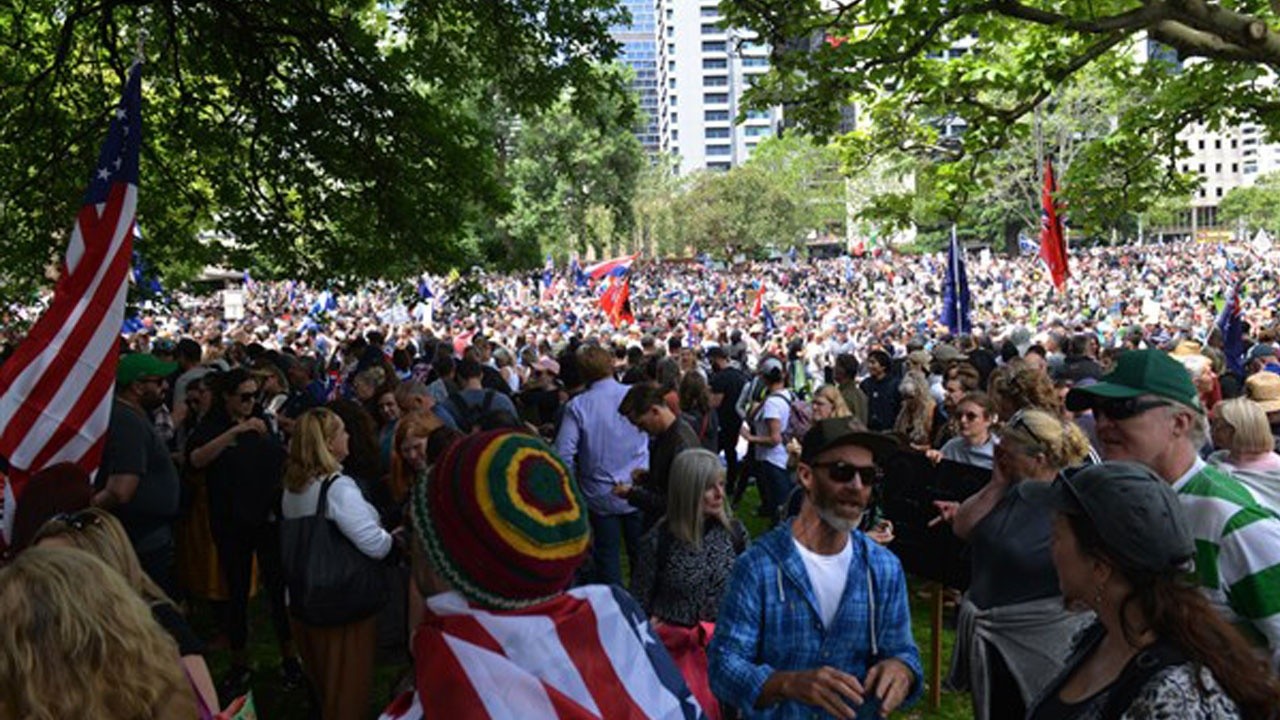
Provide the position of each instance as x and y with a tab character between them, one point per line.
274	703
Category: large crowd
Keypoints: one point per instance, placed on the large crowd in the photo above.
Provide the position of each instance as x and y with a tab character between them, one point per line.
536	499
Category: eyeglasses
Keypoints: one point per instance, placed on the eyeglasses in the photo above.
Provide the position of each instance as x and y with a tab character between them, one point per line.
1125	408
843	472
78	521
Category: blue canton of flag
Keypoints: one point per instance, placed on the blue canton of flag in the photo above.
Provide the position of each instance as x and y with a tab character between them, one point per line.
1027	245
769	325
547	272
575	269
695	313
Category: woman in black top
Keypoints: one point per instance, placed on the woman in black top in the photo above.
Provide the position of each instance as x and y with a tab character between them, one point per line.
243	465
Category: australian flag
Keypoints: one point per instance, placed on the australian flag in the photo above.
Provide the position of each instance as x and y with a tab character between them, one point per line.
575	269
424	289
770	326
695	313
547	272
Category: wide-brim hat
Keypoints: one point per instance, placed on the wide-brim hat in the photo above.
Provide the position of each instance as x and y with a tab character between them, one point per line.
1264	389
832	433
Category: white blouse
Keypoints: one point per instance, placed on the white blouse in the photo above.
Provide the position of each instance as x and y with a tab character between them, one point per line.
355	517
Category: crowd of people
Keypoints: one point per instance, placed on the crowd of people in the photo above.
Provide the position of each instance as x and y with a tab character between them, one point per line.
538	505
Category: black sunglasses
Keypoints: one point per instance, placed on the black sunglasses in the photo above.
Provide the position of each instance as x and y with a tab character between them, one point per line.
843	472
1125	408
248	396
78	521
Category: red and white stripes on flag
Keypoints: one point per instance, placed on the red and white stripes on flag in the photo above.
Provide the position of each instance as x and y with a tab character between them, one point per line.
56	389
588	654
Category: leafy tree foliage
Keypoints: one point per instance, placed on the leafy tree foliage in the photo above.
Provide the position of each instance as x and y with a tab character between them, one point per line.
741	210
1257	206
339	139
915	69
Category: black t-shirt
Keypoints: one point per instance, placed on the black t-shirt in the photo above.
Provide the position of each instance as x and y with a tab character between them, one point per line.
729	383
244	481
176	625
134	448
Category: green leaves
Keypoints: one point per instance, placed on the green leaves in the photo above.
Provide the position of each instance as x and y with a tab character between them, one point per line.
342	140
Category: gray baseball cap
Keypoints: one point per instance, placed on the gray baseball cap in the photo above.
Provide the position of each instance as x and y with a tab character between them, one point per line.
1136	513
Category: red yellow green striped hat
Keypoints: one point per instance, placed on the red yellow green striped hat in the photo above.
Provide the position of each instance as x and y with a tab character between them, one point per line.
502	519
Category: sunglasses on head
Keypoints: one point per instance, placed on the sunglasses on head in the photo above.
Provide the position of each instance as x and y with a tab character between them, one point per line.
843	472
78	521
1125	408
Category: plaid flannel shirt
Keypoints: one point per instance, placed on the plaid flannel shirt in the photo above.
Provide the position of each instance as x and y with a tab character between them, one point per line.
770	621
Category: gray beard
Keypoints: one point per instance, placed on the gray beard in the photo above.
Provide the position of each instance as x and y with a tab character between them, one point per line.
837	523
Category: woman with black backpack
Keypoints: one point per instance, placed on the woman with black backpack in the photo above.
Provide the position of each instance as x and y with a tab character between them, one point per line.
332	543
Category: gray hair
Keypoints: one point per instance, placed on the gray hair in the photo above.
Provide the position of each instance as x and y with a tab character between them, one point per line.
693	472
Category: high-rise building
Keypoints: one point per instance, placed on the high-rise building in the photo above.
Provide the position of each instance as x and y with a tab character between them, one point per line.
639	42
703	71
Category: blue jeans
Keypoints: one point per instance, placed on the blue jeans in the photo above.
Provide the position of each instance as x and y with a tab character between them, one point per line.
608	532
775	487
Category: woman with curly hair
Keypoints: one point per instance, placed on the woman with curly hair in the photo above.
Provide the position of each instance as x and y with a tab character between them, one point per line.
98	533
1018	386
917	412
78	642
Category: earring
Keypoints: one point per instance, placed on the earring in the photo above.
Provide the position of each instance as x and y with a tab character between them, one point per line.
1097	597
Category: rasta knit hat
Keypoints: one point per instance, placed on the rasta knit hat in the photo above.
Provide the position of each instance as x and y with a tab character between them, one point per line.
502	519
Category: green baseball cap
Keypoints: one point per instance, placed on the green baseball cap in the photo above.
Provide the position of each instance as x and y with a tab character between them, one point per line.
135	366
1140	372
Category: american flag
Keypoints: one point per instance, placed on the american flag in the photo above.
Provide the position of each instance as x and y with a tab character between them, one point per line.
589	653
56	389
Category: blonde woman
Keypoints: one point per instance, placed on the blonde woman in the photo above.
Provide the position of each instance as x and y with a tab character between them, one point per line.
78	642
98	533
338	659
1012	634
684	564
918	410
1244	447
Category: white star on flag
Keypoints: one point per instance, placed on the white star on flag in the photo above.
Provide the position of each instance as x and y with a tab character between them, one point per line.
103	173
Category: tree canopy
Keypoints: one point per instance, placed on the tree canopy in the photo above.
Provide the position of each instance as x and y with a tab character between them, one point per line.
342	139
919	70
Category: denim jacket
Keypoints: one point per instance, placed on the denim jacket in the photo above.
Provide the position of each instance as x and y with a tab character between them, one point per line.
770	621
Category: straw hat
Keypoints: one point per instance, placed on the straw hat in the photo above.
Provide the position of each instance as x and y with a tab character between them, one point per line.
1264	389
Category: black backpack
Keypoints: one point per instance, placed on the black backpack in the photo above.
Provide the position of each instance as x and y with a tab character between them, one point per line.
469	416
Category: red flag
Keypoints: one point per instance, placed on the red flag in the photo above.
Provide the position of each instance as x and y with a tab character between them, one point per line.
56	389
616	302
1053	242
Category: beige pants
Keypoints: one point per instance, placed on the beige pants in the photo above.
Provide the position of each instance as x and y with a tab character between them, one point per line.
339	662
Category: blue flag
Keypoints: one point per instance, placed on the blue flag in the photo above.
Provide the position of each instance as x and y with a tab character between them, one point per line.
695	313
955	290
547	272
579	277
770	325
1230	324
1028	246
424	289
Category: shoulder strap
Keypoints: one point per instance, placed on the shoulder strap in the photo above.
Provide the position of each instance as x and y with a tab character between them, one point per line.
322	503
1137	673
488	401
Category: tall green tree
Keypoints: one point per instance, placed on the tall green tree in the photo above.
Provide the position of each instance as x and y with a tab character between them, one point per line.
808	172
1257	206
572	174
741	210
341	139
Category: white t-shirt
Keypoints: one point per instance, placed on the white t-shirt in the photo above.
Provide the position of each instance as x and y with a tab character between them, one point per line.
776	407
828	574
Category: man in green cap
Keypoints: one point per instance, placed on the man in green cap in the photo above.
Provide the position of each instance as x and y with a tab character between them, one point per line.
1148	411
137	480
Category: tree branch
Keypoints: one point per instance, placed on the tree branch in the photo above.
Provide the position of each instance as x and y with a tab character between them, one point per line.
1149	13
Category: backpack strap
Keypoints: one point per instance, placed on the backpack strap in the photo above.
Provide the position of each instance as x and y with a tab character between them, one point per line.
1144	666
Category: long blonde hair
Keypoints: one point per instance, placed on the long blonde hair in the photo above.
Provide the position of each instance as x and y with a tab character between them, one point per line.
309	456
78	642
100	534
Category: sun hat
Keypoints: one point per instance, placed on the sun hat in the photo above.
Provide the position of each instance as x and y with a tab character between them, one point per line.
838	432
502	519
1264	389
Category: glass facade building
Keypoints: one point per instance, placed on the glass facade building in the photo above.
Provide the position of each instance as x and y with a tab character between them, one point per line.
640	51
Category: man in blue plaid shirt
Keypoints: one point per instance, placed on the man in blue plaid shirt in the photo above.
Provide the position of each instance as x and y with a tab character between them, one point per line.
815	619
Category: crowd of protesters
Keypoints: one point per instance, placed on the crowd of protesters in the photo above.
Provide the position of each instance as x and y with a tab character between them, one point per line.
489	457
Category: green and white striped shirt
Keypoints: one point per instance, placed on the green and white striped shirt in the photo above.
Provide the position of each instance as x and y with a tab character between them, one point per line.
1237	549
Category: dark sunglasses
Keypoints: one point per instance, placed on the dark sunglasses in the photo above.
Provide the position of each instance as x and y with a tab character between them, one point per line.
247	396
1125	408
843	472
78	521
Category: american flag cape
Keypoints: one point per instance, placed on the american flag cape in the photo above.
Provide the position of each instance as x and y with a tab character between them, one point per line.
56	389
587	654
